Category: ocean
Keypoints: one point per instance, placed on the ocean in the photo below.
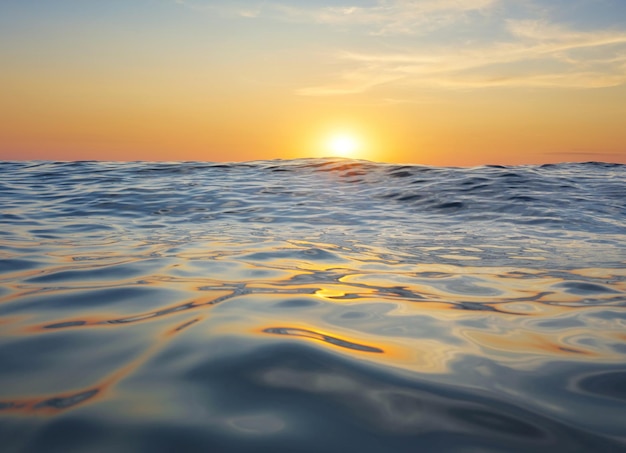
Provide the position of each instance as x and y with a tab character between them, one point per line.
312	305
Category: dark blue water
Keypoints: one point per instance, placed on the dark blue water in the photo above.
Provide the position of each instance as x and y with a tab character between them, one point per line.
312	305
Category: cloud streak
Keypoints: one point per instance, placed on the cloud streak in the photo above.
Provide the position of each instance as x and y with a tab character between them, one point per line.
385	17
450	44
538	54
390	17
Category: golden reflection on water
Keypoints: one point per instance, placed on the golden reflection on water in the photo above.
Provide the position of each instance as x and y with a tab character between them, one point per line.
524	342
328	293
420	318
316	335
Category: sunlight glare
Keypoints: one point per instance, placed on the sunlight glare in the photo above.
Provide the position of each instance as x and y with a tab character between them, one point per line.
343	145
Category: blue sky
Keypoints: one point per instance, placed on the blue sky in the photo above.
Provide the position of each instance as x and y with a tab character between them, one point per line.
250	60
435	43
450	43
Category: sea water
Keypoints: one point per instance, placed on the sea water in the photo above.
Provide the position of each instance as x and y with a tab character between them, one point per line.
314	305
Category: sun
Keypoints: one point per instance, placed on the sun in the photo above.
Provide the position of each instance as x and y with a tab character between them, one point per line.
343	145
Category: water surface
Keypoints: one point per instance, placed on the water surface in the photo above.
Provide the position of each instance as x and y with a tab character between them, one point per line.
312	305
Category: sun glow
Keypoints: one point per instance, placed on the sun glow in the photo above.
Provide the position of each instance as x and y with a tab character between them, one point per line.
343	145
349	141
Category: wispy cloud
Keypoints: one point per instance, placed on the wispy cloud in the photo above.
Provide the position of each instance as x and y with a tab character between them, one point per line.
537	54
385	17
388	17
583	153
503	44
232	8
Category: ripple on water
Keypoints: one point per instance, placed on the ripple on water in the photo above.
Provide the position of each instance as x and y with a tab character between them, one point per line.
253	306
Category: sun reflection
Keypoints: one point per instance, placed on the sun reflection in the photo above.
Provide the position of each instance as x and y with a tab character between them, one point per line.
329	293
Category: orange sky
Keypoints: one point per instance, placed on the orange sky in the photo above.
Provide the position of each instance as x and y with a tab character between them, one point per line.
427	82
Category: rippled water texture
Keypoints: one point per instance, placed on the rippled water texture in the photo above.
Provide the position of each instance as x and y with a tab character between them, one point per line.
312	305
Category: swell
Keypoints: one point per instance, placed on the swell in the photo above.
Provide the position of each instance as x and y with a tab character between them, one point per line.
582	196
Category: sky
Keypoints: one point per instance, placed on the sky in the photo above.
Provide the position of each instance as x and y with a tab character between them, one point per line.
435	82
